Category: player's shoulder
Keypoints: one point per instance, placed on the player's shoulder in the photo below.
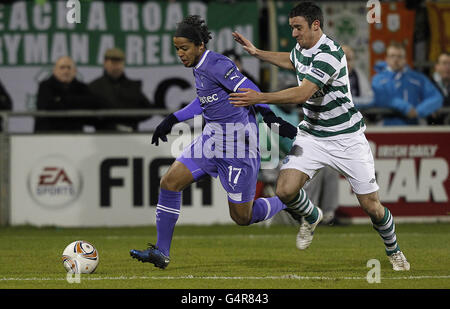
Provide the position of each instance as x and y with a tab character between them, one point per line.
218	63
217	59
329	48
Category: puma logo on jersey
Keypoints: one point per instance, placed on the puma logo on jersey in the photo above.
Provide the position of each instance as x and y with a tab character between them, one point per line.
234	76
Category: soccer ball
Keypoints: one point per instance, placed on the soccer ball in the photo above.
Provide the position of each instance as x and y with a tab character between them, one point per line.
80	257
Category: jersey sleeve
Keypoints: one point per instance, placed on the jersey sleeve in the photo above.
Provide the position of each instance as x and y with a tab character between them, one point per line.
323	69
227	74
292	56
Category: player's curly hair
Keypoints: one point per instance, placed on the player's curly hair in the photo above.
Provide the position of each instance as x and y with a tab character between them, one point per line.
195	29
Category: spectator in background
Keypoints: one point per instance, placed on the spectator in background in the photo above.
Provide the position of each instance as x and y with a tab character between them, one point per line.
5	103
359	83
441	78
117	91
61	92
410	94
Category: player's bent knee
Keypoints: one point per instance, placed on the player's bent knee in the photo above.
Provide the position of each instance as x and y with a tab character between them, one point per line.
284	194
289	184
241	214
171	183
166	184
177	178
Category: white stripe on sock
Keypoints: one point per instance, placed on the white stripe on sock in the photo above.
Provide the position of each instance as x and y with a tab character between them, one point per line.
385	226
269	208
167	209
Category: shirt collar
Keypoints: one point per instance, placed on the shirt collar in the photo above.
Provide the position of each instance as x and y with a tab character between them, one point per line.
310	51
202	59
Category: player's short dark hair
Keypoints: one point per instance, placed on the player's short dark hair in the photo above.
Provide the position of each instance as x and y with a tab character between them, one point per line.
195	29
309	11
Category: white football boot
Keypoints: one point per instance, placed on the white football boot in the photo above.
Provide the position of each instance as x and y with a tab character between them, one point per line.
398	261
306	233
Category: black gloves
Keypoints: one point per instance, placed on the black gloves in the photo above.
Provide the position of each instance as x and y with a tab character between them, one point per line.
285	128
163	129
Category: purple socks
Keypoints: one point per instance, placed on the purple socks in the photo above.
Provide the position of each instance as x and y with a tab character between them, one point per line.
167	212
266	208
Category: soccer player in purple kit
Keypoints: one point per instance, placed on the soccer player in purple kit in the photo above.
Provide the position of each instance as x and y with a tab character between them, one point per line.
216	76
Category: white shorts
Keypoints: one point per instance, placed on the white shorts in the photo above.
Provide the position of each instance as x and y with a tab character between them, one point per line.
350	156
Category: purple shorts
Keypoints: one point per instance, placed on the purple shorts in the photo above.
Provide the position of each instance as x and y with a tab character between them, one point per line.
238	176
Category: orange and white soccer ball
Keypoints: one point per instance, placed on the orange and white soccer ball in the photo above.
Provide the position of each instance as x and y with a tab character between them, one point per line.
80	257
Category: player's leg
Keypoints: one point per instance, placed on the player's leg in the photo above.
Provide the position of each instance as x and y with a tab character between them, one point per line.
304	159
250	212
290	190
238	178
383	223
172	184
329	196
180	174
360	172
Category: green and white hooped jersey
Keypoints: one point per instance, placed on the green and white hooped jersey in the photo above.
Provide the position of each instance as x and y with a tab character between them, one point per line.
329	113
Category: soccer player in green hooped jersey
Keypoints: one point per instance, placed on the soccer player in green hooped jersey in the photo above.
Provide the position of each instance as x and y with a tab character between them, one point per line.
332	131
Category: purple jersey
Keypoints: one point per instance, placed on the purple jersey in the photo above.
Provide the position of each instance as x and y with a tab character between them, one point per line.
229	144
215	77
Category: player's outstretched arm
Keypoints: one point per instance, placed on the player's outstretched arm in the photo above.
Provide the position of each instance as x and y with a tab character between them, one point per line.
284	128
294	95
164	128
281	59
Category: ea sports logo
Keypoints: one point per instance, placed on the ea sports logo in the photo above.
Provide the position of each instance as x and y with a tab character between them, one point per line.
54	182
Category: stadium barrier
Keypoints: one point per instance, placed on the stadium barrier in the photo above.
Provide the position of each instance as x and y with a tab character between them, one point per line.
112	179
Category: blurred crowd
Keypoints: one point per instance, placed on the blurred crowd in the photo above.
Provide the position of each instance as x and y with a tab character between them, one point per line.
412	97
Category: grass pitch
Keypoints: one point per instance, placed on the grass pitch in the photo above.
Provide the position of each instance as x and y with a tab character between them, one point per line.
228	257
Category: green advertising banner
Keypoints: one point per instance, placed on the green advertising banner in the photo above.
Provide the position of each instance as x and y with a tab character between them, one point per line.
39	32
34	34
